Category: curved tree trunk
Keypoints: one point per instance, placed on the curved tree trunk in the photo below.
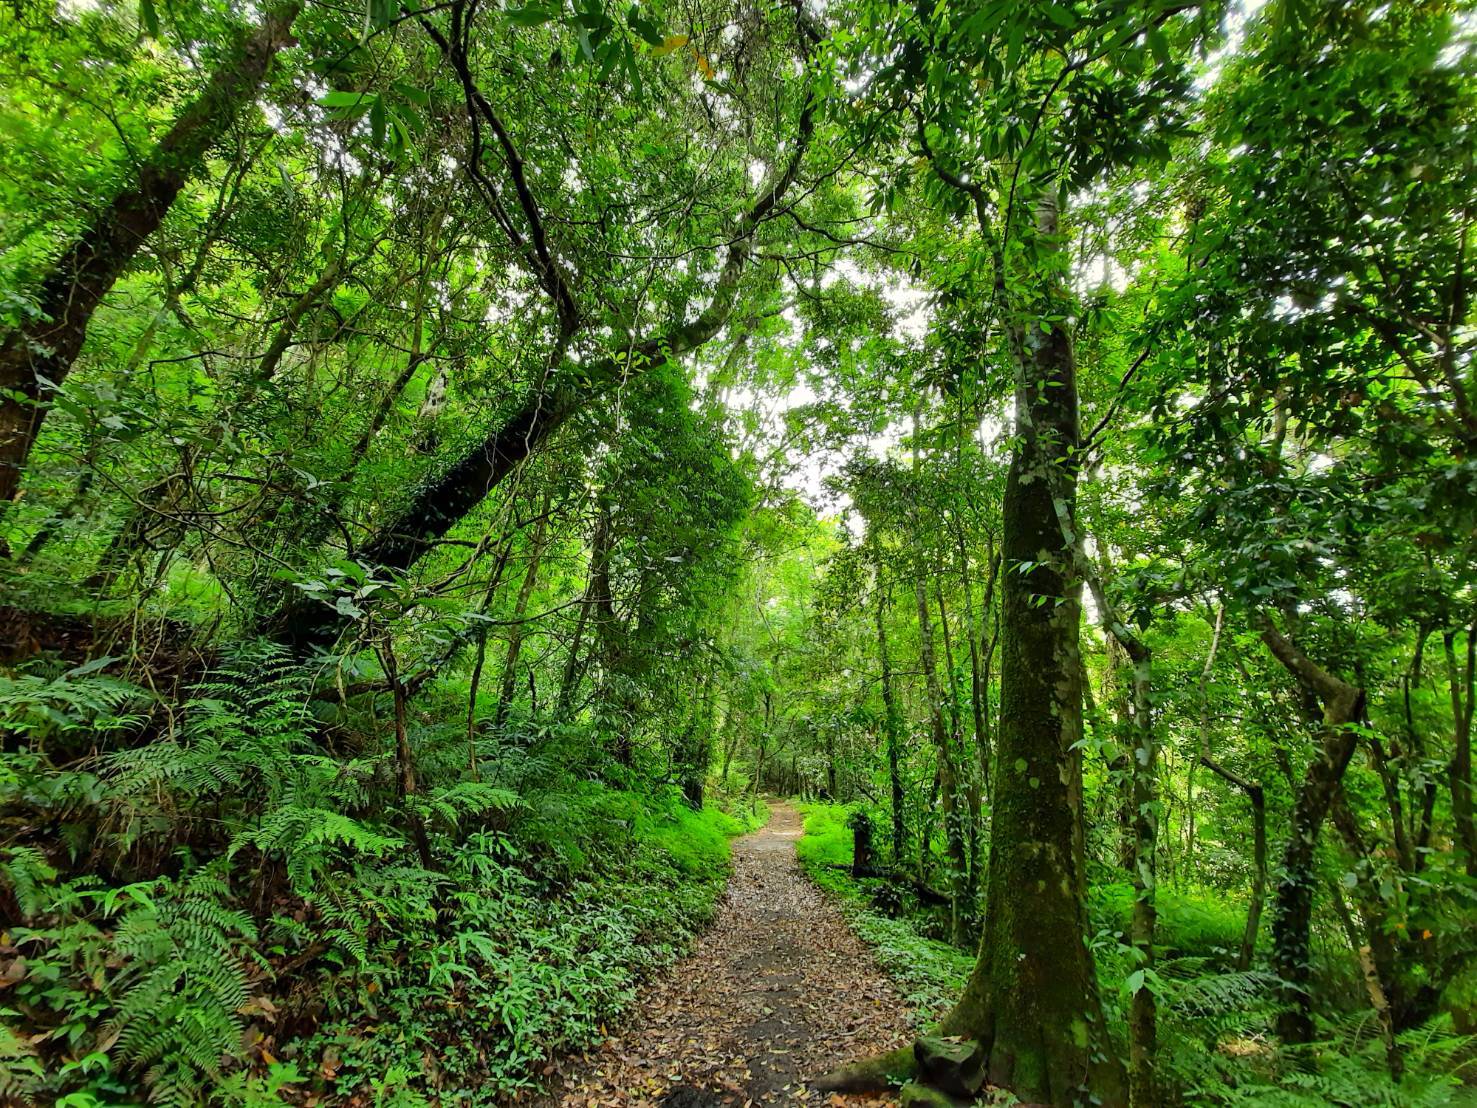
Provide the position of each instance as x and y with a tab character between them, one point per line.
36	357
1292	916
564	389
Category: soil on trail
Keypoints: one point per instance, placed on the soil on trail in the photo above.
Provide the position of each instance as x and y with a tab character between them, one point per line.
778	991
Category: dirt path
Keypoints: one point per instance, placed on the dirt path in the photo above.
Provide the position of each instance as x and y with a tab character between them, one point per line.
778	991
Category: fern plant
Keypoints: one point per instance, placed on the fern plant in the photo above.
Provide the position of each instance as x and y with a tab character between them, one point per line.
183	984
44	708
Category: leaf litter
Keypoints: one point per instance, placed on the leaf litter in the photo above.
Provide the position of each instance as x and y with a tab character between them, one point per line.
776	992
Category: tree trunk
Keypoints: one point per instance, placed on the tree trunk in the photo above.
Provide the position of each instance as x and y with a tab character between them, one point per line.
36	357
1378	954
564	389
404	755
1142	748
1254	793
520	609
1120	763
1258	798
948	778
589	603
981	650
1461	680
891	726
1032	999
968	818
1292	917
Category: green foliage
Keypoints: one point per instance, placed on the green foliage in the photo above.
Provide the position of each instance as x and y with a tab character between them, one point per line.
524	417
183	985
827	838
554	897
1191	923
930	974
1347	1066
53	709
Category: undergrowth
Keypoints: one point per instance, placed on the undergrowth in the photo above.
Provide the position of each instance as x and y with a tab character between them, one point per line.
1216	1039
930	974
230	914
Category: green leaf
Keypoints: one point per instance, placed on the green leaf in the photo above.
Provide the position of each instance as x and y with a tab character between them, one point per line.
377	120
531	16
337	99
1061	15
1159	44
419	97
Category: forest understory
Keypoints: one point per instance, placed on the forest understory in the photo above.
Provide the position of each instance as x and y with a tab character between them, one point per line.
459	457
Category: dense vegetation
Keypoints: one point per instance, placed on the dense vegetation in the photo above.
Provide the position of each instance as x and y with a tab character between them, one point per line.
452	456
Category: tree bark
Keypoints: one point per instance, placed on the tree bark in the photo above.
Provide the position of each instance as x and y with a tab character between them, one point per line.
1461	681
892	727
36	357
572	673
948	777
968	818
520	609
1378	955
404	754
1292	917
1032	999
1255	794
567	387
1143	749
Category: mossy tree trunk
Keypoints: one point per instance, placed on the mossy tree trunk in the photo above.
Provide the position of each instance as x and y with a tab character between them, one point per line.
1032	998
1292	916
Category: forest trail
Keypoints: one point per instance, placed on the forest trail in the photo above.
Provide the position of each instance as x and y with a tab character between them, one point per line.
777	991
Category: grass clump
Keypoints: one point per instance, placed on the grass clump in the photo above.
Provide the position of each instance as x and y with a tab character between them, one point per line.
827	837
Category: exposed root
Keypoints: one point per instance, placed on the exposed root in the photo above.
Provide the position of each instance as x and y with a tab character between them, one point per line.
870	1075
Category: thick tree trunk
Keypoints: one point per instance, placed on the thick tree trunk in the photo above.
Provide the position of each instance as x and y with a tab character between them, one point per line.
36	357
1032	999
